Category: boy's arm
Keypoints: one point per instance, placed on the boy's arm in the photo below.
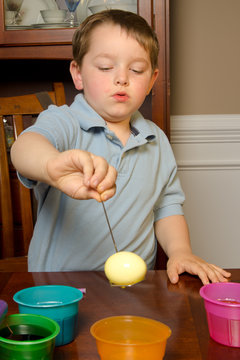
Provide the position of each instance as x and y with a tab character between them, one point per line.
172	234
79	174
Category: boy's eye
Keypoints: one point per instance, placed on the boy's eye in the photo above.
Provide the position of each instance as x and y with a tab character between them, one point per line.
104	68
137	71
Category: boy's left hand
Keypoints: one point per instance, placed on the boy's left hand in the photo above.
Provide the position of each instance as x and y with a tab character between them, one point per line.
187	262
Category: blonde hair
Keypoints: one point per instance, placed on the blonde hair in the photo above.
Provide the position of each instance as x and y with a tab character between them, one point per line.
133	24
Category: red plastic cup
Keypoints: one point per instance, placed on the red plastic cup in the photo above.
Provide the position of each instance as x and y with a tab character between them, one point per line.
222	305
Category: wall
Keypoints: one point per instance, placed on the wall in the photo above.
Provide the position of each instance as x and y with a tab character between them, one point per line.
205	57
207	151
205	122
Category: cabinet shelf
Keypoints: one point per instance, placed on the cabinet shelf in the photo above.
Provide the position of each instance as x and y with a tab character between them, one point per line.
29	39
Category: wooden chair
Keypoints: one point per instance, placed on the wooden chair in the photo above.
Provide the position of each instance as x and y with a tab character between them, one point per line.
12	255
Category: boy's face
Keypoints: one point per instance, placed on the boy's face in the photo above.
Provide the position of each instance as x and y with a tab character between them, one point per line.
116	73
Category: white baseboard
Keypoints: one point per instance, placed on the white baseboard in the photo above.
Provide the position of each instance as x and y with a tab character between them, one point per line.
209	142
205	128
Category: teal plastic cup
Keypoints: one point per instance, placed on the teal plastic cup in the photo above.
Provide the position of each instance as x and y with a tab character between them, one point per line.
27	337
58	302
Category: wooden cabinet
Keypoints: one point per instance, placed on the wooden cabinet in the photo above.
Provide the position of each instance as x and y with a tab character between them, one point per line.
55	44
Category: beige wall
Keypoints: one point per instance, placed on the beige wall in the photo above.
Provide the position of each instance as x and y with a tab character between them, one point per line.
205	57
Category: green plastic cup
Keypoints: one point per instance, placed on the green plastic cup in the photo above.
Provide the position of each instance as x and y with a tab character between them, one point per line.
33	337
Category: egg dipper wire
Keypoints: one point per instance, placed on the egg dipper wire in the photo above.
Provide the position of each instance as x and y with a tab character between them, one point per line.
109	226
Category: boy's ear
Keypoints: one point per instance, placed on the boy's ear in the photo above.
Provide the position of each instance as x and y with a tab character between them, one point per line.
153	79
76	75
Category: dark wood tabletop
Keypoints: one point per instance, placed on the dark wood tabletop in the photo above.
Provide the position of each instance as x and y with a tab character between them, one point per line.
179	306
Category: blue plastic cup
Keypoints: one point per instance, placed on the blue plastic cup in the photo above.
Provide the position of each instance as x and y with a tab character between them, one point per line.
57	302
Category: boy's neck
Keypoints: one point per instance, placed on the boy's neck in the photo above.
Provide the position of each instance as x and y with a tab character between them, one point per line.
121	129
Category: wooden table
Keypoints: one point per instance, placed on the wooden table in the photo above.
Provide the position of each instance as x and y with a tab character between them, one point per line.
179	306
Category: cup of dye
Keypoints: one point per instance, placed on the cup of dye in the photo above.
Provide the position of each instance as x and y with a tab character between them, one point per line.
57	302
130	337
222	305
26	336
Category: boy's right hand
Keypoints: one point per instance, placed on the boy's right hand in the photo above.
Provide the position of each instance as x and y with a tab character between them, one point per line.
82	175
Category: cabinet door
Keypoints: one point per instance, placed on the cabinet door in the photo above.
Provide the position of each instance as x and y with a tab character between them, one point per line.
59	36
161	90
24	44
157	16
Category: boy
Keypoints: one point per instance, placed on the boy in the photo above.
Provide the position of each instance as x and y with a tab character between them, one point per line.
101	148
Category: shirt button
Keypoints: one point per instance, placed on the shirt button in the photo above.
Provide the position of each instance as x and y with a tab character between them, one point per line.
109	137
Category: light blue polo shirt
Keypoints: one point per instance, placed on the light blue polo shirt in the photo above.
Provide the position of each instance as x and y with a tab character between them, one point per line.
73	235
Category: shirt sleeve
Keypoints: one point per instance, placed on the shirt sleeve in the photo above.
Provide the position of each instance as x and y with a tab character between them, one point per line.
171	197
58	126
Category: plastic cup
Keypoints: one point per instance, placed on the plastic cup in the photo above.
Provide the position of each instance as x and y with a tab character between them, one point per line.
130	337
40	326
222	305
57	302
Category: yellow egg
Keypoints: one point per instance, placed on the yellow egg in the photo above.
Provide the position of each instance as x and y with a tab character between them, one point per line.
125	268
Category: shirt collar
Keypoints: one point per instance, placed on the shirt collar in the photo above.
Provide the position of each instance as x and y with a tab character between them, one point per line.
88	119
84	113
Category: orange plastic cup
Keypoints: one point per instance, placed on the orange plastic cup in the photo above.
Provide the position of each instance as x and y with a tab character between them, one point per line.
130	337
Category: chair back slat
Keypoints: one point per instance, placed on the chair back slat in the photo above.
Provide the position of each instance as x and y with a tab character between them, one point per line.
25	195
7	245
59	94
15	109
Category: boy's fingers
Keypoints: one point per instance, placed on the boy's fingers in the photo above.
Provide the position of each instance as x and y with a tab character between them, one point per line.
81	174
101	168
173	277
102	179
104	176
108	194
173	273
107	186
221	271
93	167
87	166
206	272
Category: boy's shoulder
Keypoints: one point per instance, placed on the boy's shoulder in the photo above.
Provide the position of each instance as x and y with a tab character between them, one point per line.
79	112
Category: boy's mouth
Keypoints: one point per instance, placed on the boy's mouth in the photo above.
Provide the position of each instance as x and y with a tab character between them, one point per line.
121	96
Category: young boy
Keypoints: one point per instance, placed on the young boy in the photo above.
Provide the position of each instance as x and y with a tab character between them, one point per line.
101	148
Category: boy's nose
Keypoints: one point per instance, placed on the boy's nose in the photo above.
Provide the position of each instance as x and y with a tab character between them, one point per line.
121	78
122	82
